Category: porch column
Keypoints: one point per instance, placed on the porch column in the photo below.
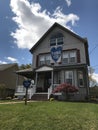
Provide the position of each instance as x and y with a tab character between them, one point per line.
36	78
17	80
87	80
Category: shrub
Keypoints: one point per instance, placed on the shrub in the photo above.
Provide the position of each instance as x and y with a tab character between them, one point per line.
3	93
65	88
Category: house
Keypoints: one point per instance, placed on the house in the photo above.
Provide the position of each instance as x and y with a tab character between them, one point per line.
60	56
8	79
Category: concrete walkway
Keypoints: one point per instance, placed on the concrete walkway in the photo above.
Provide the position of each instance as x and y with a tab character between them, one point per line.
12	102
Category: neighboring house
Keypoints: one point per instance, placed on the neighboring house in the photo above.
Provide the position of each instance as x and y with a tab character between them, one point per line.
8	78
60	56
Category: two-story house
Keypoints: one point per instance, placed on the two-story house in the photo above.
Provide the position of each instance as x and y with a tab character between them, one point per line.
60	56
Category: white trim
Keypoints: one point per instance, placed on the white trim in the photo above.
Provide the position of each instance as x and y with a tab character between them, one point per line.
44	68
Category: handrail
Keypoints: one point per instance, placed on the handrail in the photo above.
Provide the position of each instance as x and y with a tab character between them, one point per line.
51	89
31	91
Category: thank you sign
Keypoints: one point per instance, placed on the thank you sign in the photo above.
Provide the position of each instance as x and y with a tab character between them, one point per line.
56	53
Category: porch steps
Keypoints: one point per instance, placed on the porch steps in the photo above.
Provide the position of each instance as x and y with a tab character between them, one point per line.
40	97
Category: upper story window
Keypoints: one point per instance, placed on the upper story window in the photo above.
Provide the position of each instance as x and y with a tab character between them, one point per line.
56	39
44	59
69	57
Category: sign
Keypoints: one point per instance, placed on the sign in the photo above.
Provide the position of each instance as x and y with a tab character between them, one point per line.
26	83
56	53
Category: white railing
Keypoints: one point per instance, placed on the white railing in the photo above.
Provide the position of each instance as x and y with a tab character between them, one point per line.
51	89
31	91
21	90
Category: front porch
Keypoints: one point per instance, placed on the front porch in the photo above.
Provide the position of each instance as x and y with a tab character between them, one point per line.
46	78
42	77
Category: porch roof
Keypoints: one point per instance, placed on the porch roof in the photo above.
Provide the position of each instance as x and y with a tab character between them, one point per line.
70	66
44	69
29	73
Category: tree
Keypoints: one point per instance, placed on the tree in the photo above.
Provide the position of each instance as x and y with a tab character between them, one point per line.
66	89
92	81
27	66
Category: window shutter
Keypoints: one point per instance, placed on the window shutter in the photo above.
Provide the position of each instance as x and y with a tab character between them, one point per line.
37	58
78	56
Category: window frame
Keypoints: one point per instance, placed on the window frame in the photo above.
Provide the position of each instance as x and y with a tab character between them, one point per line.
56	39
67	72
45	59
80	72
69	57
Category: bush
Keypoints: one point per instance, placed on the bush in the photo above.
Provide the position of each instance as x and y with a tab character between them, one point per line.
3	92
65	89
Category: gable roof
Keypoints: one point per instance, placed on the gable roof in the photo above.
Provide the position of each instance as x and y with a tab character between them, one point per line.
84	40
6	66
50	29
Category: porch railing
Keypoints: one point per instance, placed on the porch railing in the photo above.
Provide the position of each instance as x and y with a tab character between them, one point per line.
21	90
31	91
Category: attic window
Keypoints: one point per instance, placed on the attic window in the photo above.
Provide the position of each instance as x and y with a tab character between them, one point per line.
56	39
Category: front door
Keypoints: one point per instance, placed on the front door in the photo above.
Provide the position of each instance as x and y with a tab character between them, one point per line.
44	81
47	81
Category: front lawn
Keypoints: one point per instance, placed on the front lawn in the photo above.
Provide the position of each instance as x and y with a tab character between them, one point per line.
49	116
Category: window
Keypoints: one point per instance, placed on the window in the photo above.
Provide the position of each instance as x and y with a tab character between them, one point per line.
72	57
47	59
52	42
69	57
44	59
59	40
56	39
69	77
57	77
80	79
65	57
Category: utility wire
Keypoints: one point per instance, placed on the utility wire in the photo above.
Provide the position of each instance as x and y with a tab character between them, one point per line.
93	49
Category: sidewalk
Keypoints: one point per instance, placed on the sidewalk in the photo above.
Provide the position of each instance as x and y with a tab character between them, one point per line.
15	102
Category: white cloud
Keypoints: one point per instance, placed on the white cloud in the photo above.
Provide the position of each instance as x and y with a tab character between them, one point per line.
95	76
11	59
68	2
33	22
3	62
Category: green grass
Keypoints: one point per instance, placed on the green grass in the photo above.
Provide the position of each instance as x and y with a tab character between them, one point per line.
49	116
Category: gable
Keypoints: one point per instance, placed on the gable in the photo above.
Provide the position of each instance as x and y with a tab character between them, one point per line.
55	25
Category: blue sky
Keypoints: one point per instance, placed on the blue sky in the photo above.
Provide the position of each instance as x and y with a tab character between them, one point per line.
23	22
